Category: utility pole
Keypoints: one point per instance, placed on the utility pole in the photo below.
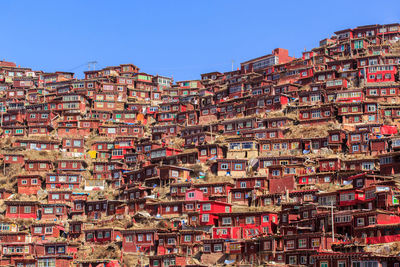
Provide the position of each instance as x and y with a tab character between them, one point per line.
94	64
232	64
2	108
333	223
211	129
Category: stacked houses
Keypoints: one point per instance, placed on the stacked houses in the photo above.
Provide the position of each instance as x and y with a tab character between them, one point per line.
283	162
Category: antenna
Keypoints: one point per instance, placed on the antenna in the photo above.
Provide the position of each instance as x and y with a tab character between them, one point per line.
94	64
232	64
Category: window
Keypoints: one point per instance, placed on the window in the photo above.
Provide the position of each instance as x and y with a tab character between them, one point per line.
265	218
188	238
140	237
276	172
204	189
292	259
250	220
217	247
128	239
316	114
360	221
238	167
226	221
100	235
367	165
238	195
364	264
371	108
371	220
302	243
206	207
191	195
218	189
224	166
315	242
27	209
205	218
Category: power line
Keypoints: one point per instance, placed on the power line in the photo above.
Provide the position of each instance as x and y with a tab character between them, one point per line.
77	66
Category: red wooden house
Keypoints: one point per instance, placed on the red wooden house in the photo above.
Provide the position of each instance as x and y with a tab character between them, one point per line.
209	152
320	114
86	126
47	229
102	235
29	184
139	240
190	241
14	131
40	117
253	223
68	165
14	159
59	196
37	144
215	190
121	130
202	211
232	167
99	208
336	140
63	180
379	73
54	211
75	145
14	117
21	209
38	166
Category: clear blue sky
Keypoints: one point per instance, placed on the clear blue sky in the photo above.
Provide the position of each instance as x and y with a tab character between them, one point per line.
167	37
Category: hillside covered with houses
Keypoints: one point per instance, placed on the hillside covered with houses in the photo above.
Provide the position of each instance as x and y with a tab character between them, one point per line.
283	162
